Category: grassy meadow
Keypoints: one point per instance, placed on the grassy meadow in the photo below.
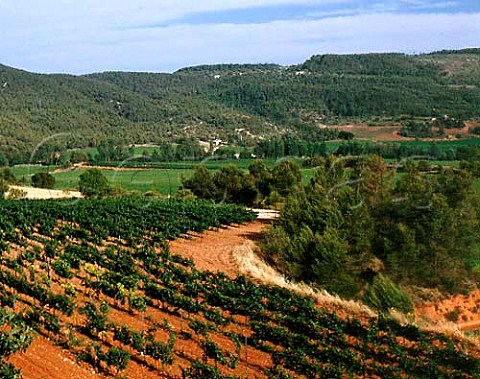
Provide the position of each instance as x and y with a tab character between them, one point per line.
166	179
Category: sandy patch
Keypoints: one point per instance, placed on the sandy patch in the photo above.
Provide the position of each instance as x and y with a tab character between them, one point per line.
42	193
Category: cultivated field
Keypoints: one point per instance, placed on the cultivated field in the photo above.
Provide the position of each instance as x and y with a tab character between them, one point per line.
101	285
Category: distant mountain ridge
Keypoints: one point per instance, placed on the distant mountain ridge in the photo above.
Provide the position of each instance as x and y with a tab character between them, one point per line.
219	100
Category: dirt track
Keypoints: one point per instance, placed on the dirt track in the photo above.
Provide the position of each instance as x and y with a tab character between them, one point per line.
213	250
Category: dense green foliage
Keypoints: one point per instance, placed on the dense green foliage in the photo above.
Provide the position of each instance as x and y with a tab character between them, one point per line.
350	86
417	130
261	185
357	219
43	180
6	178
238	103
468	149
93	183
15	336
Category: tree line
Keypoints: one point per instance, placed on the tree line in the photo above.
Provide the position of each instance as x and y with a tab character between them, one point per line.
362	231
295	147
260	185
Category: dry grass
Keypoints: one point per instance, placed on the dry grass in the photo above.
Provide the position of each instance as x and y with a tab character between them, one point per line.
251	265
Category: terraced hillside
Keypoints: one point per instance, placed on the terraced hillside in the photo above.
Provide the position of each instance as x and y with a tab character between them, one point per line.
97	278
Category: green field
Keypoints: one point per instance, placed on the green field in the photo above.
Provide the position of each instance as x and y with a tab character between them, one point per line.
25	171
161	180
166	181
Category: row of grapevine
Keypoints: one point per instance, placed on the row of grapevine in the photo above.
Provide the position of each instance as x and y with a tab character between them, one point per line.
115	251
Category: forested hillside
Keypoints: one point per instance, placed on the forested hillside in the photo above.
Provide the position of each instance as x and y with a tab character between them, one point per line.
87	111
238	103
361	228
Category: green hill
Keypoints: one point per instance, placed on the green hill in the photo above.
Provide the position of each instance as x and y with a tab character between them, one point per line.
86	110
219	100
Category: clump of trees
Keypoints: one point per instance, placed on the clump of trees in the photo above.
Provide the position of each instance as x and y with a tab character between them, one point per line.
184	149
289	145
448	122
3	159
417	130
426	129
259	185
311	149
357	220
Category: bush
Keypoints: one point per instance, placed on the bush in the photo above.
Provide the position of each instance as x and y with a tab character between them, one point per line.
346	135
7	175
96	321
93	183
8	371
383	295
417	130
475	130
43	180
6	178
204	371
62	268
117	358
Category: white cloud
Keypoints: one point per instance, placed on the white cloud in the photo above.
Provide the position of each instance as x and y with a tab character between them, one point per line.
429	4
127	12
92	39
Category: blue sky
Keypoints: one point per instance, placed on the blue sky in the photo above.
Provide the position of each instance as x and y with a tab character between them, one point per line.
164	35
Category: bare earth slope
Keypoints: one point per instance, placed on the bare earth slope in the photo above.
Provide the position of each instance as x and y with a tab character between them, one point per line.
213	250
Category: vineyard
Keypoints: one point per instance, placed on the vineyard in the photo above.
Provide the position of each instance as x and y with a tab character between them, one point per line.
97	278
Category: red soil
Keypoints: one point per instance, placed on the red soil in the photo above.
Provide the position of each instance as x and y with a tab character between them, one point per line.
390	133
212	251
45	360
461	310
375	133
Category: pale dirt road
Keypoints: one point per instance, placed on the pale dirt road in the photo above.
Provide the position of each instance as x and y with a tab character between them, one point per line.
42	193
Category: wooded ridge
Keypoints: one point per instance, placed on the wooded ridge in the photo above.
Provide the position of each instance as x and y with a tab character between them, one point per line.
237	103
